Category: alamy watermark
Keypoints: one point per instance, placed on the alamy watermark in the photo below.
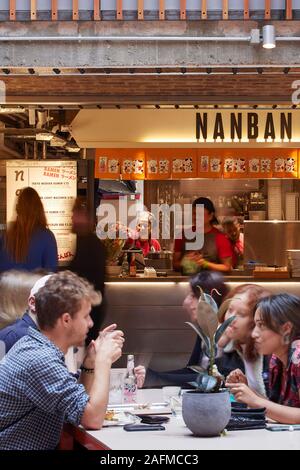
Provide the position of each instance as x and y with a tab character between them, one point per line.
296	93
163	221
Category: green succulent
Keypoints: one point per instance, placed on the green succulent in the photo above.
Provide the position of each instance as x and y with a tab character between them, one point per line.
209	331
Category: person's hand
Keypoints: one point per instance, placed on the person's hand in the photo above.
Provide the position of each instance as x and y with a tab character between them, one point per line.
140	373
237	376
244	394
224	340
89	359
195	257
109	346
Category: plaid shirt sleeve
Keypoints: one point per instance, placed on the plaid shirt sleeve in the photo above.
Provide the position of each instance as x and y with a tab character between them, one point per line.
53	389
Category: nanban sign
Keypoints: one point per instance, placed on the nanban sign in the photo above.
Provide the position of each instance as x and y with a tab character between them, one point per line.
142	128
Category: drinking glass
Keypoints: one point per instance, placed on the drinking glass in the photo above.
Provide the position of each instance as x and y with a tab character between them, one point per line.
169	392
116	386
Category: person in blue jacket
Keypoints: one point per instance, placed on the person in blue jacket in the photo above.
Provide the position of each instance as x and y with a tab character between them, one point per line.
28	244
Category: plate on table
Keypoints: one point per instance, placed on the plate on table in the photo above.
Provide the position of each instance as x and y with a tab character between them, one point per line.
143	409
116	418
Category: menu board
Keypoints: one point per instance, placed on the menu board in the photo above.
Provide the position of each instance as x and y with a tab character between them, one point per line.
180	163
56	184
133	165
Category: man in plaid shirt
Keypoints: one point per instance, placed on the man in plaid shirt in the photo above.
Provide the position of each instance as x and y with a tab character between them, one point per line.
37	393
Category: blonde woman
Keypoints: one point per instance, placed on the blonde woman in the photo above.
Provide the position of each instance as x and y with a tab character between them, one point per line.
15	288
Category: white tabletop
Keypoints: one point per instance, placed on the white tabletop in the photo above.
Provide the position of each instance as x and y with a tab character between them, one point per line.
178	437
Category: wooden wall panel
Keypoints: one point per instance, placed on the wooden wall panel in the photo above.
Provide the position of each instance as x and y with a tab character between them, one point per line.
204	10
289	9
140	9
12	10
75	10
97	14
161	9
225	10
182	9
54	10
119	9
246	10
33	9
267	9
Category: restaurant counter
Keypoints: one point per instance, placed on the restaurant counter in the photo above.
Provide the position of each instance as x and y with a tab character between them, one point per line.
150	312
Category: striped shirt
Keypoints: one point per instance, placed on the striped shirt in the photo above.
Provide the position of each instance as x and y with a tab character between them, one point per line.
37	395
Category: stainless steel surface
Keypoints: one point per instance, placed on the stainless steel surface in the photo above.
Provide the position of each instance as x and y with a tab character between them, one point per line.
267	241
159	260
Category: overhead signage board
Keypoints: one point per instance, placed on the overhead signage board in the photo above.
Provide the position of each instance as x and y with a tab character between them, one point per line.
144	128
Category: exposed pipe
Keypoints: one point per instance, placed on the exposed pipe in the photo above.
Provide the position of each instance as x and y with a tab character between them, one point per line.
140	39
288	38
26	150
35	150
125	38
44	150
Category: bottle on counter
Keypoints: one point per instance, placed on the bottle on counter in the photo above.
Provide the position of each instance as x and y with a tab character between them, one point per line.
132	267
130	382
125	267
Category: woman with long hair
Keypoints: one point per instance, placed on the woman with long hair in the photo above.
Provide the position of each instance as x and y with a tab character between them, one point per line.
277	333
211	283
243	301
28	243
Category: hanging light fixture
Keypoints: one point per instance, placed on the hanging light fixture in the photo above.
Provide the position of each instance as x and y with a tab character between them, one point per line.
269	38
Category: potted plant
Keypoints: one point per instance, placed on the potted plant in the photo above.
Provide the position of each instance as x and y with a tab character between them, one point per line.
206	410
113	237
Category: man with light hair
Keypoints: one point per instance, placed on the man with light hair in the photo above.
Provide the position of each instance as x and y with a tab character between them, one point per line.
37	393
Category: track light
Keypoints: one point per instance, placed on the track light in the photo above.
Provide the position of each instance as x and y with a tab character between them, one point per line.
269	38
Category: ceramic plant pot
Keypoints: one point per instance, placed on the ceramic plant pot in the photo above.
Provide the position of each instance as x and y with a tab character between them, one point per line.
206	414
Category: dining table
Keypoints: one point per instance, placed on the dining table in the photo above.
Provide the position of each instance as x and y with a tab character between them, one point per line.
176	436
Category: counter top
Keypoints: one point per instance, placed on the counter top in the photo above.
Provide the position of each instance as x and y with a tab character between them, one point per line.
177	277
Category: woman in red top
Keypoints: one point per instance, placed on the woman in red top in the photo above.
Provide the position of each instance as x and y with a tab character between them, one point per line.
216	253
142	238
277	333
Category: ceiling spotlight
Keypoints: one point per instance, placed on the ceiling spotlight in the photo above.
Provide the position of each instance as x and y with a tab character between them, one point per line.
269	38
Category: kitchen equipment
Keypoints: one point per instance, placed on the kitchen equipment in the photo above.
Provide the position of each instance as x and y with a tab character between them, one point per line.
159	259
266	241
294	262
